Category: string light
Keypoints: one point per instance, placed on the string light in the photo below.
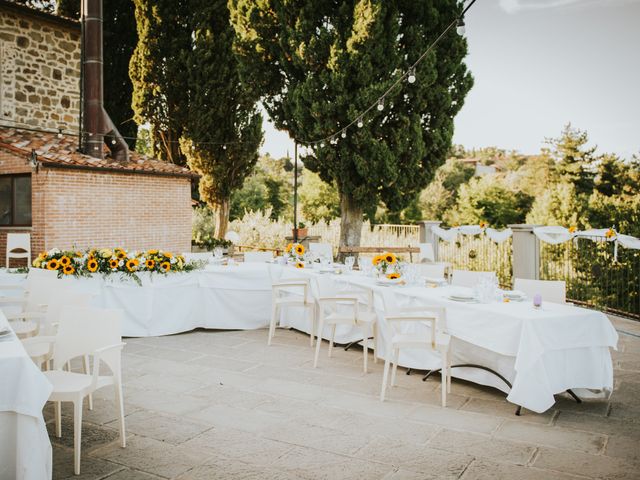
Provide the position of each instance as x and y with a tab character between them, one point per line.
381	104
344	134
59	133
460	29
411	78
360	122
224	147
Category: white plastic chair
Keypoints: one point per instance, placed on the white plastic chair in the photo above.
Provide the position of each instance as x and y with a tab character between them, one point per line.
426	253
419	327
467	278
353	308
18	246
322	250
554	291
291	293
40	289
97	333
431	270
258	257
40	347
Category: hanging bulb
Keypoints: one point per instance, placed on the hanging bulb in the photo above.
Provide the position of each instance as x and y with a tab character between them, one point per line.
360	122
411	78
113	142
59	133
381	104
344	134
224	147
460	27
322	145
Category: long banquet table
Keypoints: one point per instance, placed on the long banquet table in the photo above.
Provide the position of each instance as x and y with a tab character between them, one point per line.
25	449
540	351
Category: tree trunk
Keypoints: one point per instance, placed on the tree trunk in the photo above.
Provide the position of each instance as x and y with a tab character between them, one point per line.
351	219
222	218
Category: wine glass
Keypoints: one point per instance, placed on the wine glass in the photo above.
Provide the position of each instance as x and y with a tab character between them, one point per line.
349	262
218	252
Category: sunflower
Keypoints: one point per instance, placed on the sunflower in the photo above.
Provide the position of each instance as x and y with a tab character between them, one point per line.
53	264
68	270
120	253
393	276
572	229
132	264
92	265
389	258
610	233
300	249
64	261
376	260
299	265
113	263
150	264
288	247
168	254
166	266
42	255
153	252
483	224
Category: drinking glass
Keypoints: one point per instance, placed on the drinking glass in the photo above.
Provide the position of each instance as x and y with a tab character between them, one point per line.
218	252
349	262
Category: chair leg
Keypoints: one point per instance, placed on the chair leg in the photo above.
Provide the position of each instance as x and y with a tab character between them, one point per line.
449	371
365	349
272	326
120	407
318	343
385	376
374	334
333	336
77	434
85	366
396	355
313	325
443	374
58	414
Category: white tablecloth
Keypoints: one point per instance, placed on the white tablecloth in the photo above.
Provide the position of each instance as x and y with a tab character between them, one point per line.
25	449
541	352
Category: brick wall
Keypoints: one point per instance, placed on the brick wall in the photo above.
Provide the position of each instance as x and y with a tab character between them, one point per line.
85	208
39	70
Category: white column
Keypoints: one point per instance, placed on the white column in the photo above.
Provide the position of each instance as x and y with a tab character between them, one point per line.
427	235
526	252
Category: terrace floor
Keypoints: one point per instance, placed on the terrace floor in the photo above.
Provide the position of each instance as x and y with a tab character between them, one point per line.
223	405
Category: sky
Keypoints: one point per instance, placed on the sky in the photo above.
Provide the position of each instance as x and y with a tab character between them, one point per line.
539	64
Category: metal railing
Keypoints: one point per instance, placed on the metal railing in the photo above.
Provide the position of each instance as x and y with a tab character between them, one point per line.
595	275
479	253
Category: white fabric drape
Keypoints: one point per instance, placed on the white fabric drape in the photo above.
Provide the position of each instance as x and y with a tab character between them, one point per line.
446	235
553	235
499	236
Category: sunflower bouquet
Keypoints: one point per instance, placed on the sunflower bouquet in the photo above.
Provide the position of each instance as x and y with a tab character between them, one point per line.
295	251
387	265
107	261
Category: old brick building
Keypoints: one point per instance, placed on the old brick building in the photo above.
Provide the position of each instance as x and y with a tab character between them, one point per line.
47	188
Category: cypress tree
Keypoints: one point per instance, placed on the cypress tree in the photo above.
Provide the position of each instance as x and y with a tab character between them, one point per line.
158	74
223	128
318	63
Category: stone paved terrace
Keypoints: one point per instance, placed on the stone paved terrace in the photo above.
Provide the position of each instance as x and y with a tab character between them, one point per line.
223	405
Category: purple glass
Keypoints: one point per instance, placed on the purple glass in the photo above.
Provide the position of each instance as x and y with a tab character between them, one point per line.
537	300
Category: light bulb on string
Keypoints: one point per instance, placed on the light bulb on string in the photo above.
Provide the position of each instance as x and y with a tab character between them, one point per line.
460	28
411	78
224	147
344	134
59	133
380	104
360	122
113	142
322	145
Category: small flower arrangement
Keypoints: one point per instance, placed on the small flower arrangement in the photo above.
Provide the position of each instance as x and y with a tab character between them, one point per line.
483	225
107	261
572	229
295	251
611	233
386	264
299	264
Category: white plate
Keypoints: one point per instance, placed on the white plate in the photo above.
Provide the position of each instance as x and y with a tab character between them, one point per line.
389	281
461	299
5	332
514	294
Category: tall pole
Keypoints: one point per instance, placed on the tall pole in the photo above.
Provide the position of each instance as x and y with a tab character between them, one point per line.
295	192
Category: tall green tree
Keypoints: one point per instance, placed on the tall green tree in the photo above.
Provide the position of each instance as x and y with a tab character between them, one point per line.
119	38
223	128
574	160
159	75
318	63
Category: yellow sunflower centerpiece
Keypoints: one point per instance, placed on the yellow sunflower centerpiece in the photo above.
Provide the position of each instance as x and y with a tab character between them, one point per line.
386	265
92	265
295	252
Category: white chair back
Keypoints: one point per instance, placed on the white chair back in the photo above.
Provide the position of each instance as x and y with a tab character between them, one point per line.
554	291
83	330
322	250
40	292
426	253
467	278
412	325
258	257
18	246
433	270
63	298
197	256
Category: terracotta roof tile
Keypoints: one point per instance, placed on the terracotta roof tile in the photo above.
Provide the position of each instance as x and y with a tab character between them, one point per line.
52	150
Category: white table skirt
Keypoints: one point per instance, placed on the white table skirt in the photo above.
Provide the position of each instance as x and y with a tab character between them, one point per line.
541	352
25	449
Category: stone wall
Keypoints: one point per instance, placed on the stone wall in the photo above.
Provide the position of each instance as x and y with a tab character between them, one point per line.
39	70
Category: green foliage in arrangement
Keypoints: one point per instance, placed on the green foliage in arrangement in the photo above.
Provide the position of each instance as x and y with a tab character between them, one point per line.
223	128
158	73
320	63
